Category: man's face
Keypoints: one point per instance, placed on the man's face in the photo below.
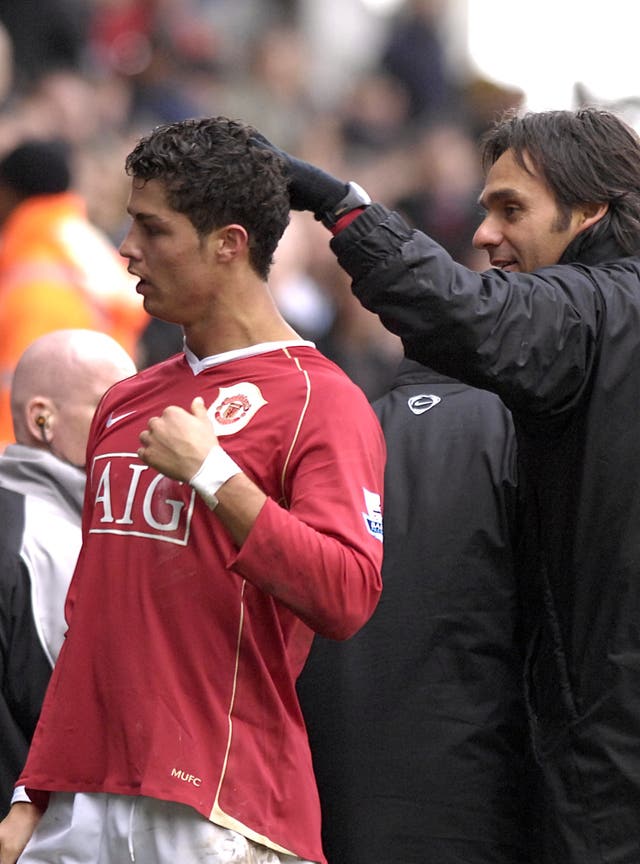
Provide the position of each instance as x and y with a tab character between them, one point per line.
523	228
175	267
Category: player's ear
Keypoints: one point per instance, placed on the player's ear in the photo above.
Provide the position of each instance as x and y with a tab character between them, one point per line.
231	241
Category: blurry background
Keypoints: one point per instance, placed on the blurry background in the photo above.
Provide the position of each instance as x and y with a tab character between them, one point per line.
393	93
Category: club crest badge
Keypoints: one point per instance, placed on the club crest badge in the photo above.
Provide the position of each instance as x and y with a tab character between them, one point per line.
234	407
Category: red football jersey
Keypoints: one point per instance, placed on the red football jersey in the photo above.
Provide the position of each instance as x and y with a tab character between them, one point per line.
177	676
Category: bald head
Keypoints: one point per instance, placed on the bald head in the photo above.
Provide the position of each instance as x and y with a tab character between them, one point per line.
57	384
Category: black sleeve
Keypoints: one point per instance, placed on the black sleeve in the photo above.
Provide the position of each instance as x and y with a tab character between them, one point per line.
529	337
24	668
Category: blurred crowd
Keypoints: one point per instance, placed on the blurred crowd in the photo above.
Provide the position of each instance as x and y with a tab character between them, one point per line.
402	121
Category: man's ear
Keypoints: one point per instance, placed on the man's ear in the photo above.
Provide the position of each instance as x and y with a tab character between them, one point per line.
232	241
40	417
591	213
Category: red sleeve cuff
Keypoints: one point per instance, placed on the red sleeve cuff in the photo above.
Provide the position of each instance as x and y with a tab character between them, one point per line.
347	219
39	797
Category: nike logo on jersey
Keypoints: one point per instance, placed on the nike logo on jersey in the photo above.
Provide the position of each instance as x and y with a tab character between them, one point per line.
113	418
423	402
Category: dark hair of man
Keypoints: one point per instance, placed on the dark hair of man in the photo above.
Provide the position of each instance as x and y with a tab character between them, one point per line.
216	176
585	156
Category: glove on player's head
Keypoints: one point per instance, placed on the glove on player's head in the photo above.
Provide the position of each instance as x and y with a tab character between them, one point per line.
310	188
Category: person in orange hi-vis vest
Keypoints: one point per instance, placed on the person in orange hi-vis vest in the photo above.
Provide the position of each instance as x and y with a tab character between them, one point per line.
57	269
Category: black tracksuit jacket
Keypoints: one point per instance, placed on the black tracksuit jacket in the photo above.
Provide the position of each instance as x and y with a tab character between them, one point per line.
24	669
561	347
417	724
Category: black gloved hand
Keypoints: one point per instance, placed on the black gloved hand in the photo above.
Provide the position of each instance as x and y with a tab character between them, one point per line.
310	188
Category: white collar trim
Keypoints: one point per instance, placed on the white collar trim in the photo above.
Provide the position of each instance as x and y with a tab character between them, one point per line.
198	366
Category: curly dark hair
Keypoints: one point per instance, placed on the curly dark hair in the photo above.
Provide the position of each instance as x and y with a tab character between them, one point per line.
585	156
215	175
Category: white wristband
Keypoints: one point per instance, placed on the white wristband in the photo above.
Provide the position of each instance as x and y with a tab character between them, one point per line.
216	469
20	794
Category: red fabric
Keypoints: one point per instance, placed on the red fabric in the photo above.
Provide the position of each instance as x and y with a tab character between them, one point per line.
345	220
177	677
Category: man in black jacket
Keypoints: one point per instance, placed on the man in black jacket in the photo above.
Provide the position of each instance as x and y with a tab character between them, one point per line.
417	724
56	386
554	329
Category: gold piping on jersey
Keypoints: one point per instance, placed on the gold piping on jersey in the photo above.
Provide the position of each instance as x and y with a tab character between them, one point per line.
297	432
218	815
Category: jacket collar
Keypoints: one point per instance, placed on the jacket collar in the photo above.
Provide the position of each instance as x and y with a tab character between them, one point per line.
35	471
413	372
594	246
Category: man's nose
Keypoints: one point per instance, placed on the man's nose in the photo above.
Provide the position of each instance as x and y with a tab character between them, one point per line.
127	246
487	234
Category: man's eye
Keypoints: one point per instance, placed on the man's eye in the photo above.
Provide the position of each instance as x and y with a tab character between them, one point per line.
511	211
